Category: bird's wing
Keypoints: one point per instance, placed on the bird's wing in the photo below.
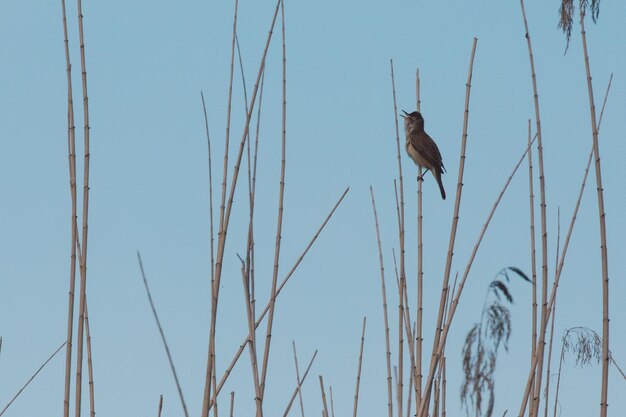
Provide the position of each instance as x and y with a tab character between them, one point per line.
427	147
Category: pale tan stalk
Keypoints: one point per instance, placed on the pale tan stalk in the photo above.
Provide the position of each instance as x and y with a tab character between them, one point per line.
162	333
332	405
544	233
279	222
455	220
92	400
71	144
323	397
420	275
216	274
295	359
402	265
602	216
245	341
160	408
384	294
545	411
208	140
358	373
556	268
83	264
533	258
31	378
555	284
224	227
299	385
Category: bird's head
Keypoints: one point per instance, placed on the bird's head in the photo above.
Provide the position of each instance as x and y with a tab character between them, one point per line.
413	120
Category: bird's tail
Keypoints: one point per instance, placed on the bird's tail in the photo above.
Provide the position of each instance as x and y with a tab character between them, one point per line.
438	178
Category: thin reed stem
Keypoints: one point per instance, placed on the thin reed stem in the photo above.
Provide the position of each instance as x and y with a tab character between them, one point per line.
92	400
31	379
533	257
420	273
539	353
602	217
402	250
386	320
71	144
455	220
245	341
299	385
358	373
295	359
162	333
85	215
224	225
279	222
323	397
160	408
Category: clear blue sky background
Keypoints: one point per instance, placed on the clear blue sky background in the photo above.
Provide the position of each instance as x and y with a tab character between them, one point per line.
147	62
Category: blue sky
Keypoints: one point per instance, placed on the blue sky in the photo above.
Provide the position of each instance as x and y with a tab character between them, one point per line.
147	63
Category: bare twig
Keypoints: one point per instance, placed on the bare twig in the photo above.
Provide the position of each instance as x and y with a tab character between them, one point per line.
323	397
31	378
165	345
160	408
295	359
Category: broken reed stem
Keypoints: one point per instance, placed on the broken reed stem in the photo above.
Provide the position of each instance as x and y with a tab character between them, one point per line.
279	222
533	258
420	302
555	285
295	359
323	396
92	400
71	145
455	220
332	405
160	408
232	403
216	275
384	295
163	339
245	341
358	373
31	378
401	239
299	386
602	218
224	226
539	353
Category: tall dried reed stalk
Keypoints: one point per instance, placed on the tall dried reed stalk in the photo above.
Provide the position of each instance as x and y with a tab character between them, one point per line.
437	341
386	319
299	386
602	217
358	373
224	220
71	144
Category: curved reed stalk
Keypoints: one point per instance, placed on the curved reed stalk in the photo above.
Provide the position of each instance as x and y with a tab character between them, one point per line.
602	218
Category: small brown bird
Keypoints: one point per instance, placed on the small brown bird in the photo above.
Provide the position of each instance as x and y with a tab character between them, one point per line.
422	148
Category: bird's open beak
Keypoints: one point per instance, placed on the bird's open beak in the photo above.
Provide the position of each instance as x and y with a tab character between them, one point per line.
405	114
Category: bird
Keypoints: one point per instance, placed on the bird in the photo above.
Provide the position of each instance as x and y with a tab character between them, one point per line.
422	148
